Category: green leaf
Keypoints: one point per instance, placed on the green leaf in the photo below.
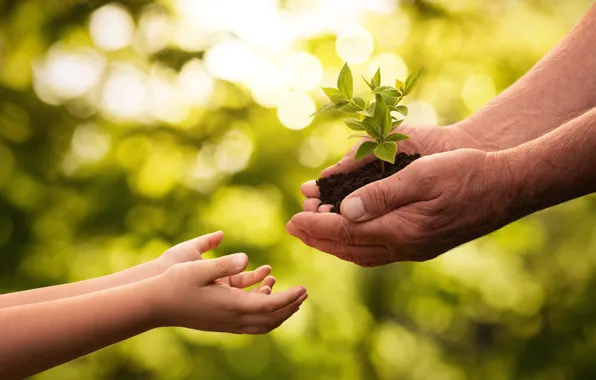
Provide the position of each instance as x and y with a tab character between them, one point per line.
401	109
369	84
325	108
397	123
335	95
389	94
366	149
373	128
395	137
364	113
377	78
348	108
411	81
371	109
399	84
355	124
357	136
386	125
390	100
381	110
359	102
386	151
382	89
345	82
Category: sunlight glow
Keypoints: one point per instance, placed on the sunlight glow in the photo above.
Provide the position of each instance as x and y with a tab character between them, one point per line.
422	113
312	152
90	143
261	24
196	85
303	71
294	110
234	152
354	45
232	60
111	27
125	92
392	66
478	90
164	100
70	73
155	29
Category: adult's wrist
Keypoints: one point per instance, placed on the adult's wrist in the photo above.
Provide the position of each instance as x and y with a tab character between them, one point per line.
512	183
465	135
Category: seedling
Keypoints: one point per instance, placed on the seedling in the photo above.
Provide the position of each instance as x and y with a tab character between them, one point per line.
373	117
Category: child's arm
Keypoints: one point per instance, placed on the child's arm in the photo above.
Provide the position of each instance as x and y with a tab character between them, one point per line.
184	252
195	295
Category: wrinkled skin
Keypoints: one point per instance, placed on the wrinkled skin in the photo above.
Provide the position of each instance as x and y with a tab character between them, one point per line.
438	202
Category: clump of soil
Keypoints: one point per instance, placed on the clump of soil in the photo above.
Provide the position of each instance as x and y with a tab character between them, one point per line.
338	186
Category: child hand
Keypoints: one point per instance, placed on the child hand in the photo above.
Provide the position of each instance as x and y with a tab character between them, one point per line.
192	250
205	295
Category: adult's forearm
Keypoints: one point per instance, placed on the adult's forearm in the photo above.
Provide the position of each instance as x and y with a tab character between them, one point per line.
137	273
40	336
558	88
552	169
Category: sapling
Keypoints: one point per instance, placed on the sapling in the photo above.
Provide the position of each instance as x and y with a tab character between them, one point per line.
376	117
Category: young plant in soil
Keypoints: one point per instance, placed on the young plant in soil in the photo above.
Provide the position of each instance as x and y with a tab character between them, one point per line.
374	119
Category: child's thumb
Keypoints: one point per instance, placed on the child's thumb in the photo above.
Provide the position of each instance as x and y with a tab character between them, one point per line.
224	266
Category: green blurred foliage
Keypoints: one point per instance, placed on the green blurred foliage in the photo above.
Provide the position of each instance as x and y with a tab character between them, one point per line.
84	194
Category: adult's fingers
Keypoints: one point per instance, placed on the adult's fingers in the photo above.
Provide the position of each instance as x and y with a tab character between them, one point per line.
311	204
211	270
413	184
333	226
325	208
246	279
310	189
363	255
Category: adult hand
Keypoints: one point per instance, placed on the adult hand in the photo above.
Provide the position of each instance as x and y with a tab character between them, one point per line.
435	204
424	140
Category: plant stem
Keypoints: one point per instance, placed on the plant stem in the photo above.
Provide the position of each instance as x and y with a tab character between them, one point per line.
382	166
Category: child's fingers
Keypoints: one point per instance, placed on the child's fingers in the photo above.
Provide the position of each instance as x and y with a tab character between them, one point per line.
268	282
259	303
211	270
246	279
266	286
202	243
264	290
263	323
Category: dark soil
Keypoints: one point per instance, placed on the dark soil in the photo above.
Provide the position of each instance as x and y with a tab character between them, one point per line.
338	186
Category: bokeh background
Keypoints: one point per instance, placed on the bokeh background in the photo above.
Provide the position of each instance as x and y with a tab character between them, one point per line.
126	127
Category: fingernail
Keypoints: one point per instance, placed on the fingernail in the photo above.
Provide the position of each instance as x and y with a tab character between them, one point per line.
240	260
353	208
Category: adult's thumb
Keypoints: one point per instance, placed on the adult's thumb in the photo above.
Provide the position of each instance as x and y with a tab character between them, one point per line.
380	197
225	266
